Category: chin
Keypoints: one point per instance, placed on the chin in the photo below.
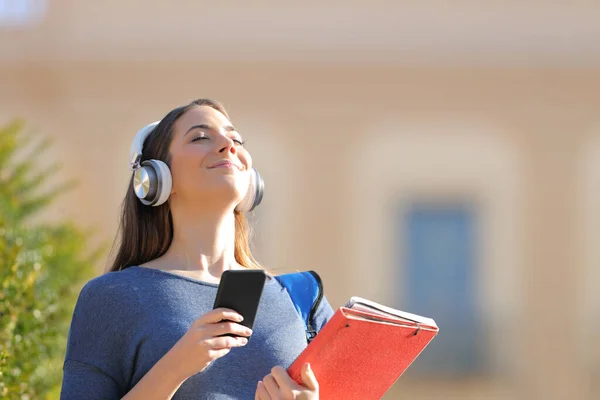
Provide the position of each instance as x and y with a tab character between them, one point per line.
229	188
223	192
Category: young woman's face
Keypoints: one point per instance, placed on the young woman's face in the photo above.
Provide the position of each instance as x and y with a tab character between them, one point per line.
208	160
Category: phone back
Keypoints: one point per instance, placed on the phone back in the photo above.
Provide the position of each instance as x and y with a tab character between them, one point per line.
241	290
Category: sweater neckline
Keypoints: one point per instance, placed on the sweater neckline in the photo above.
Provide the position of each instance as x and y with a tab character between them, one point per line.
270	279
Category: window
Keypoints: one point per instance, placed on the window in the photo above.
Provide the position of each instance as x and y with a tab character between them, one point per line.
19	13
439	280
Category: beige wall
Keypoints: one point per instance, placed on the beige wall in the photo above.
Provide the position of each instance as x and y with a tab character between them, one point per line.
337	145
409	32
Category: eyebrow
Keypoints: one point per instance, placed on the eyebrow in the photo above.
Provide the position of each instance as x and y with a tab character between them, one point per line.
228	128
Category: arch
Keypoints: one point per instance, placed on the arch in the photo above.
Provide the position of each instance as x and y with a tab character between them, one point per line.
448	160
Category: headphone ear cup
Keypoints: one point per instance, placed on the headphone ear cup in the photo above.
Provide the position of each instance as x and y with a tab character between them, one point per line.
152	183
254	194
259	189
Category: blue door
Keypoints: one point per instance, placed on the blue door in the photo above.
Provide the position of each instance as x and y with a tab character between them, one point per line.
440	264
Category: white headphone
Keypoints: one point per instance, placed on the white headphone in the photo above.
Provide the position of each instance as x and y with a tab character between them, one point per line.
152	182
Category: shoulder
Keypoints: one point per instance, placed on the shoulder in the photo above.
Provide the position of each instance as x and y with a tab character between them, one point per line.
111	289
106	308
109	282
103	330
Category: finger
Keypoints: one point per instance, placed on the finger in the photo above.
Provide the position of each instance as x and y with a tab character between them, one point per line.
214	354
283	379
228	327
261	392
219	314
271	386
308	377
225	342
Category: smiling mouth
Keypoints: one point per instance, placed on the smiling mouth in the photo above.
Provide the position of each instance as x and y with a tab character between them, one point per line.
225	164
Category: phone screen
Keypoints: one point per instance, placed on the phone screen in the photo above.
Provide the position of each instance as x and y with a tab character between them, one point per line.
241	290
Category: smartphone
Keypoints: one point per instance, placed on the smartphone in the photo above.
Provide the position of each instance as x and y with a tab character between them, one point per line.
241	290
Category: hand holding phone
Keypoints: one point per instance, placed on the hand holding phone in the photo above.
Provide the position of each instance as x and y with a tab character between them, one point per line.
207	340
241	291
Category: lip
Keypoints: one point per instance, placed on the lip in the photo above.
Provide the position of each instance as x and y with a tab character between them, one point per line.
225	164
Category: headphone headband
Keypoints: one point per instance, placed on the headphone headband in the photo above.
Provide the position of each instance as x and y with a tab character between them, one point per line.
135	152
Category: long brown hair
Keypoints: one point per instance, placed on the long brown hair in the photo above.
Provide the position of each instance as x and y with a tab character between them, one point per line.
145	232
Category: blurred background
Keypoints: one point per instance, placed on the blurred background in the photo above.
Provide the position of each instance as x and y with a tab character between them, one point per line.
439	157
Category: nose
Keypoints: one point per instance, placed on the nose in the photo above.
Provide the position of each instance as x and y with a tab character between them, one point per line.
228	147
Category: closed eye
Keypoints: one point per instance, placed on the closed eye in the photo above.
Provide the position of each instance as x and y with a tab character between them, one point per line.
239	142
198	138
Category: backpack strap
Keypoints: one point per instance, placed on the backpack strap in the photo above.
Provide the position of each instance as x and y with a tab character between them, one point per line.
306	292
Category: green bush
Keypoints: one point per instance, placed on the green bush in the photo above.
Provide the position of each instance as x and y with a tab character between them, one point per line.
42	268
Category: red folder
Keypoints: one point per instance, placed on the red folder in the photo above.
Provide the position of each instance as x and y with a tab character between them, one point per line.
363	349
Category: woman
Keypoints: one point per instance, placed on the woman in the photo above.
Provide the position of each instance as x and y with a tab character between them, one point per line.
146	329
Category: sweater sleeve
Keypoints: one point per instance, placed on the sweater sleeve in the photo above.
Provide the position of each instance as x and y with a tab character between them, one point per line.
99	360
87	381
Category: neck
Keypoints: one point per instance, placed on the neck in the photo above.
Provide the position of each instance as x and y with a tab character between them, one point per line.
202	241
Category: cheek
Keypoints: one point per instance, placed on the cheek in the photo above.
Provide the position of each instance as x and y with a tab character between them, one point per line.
245	157
185	163
180	172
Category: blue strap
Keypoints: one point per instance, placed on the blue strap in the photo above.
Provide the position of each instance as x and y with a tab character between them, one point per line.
303	289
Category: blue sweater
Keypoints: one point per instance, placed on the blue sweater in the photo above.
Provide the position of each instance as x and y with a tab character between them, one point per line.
125	321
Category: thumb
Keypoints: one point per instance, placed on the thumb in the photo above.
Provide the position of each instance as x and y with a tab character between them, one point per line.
308	378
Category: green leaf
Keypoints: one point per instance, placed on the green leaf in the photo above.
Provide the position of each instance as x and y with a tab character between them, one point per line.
42	268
